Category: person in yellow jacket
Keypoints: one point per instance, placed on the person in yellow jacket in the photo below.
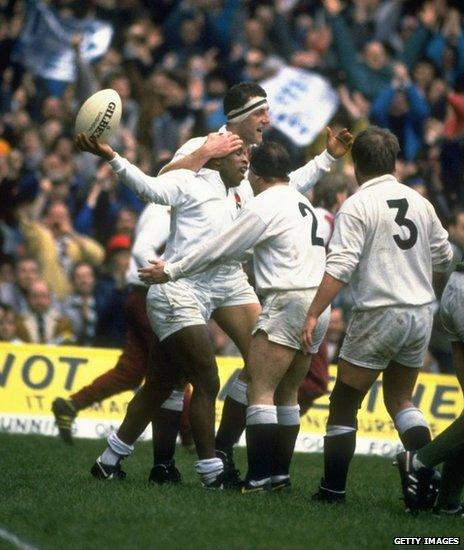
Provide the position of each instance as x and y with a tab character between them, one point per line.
57	247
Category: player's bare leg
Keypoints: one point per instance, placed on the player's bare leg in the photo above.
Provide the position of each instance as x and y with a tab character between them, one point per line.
237	322
143	408
191	350
398	386
267	364
351	386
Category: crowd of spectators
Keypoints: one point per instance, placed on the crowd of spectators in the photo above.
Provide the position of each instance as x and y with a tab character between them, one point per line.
66	226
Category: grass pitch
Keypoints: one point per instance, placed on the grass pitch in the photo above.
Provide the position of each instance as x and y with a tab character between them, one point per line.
49	500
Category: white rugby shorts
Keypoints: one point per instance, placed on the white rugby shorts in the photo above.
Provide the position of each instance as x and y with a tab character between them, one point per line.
452	308
284	314
176	305
187	302
376	337
230	287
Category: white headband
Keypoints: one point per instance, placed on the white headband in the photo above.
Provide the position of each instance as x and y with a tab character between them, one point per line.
241	113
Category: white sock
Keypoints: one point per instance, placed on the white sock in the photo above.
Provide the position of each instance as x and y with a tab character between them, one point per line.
175	402
208	469
261	414
238	391
409	418
116	450
288	415
334	430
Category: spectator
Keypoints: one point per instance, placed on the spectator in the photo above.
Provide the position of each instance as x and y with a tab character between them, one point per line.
57	247
111	291
42	323
8	325
13	293
81	306
403	109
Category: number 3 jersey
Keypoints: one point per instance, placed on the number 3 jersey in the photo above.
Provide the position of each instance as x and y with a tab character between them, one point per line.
280	224
387	240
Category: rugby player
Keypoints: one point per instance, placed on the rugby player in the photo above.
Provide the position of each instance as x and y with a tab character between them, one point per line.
387	240
237	319
448	447
247	111
151	233
289	259
178	313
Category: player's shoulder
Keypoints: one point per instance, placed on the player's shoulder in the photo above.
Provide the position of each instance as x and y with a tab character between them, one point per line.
189	147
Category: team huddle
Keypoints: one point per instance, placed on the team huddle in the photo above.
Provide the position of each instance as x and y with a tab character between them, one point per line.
233	196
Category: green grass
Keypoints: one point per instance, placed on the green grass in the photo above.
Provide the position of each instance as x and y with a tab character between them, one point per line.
48	499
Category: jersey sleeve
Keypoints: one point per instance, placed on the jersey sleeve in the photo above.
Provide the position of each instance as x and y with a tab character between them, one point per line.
346	246
308	175
244	233
188	148
442	252
152	233
168	189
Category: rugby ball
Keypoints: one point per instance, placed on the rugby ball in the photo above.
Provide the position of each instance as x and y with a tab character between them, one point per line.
99	116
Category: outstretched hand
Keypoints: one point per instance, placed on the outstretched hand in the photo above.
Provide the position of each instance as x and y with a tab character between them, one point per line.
340	143
153	273
91	145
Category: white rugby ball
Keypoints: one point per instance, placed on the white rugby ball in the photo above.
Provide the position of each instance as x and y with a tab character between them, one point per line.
100	115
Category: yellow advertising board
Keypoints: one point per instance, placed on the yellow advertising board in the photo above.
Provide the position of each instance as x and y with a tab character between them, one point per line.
32	376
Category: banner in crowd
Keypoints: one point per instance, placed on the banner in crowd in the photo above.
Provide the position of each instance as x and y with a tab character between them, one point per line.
32	376
44	46
301	103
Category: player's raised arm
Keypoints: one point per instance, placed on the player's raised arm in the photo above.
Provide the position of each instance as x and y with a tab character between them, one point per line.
217	145
308	175
167	190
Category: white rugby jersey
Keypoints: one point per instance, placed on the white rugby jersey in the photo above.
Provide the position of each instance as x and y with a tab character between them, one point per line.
280	224
302	179
151	234
386	242
200	209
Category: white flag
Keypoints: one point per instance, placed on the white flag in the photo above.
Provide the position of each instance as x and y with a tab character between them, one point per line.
301	103
44	46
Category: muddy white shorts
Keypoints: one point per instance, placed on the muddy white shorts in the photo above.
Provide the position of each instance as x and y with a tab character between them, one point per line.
176	305
284	314
230	287
376	337
452	307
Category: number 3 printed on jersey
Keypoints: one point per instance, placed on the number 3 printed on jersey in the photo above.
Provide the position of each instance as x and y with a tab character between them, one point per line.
315	240
402	206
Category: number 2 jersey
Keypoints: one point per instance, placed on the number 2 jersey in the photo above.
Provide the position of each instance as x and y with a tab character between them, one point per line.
387	240
280	224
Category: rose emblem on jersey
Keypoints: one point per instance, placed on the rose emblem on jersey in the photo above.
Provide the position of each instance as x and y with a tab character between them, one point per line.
238	200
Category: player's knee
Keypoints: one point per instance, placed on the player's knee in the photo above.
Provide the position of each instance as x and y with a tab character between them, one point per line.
207	384
344	404
395	403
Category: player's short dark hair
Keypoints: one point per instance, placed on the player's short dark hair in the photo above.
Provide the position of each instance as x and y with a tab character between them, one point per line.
270	160
374	151
327	188
240	93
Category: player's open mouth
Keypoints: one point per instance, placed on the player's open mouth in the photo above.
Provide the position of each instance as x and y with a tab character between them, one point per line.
243	170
